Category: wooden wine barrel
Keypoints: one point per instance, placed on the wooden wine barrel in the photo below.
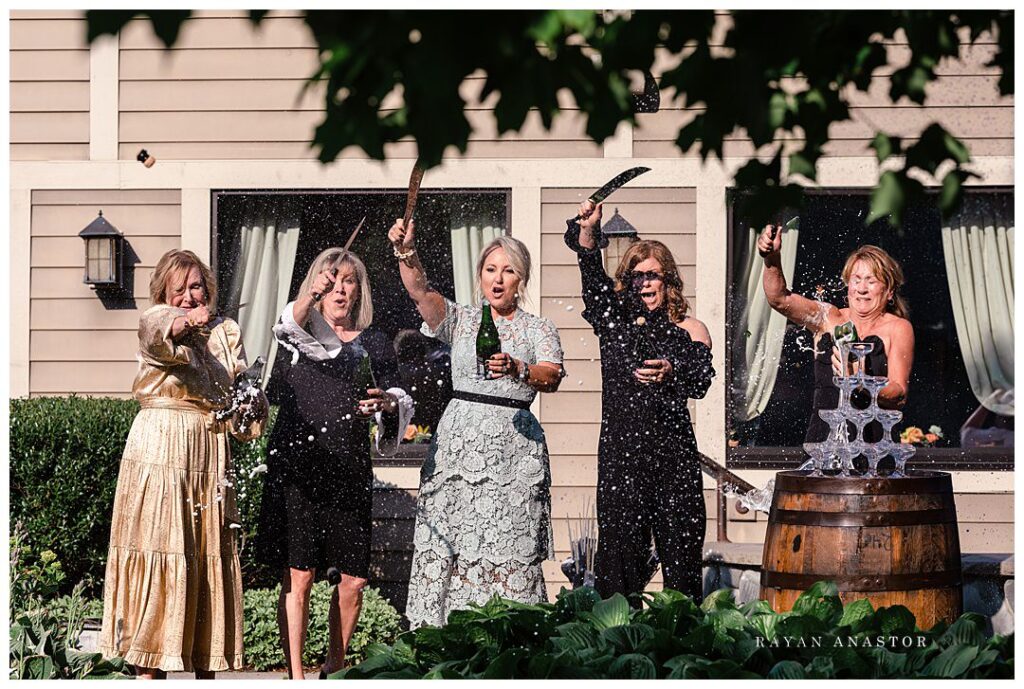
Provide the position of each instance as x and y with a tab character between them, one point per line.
892	541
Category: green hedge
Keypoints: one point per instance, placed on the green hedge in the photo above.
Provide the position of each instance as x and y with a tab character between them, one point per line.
378	622
65	456
580	636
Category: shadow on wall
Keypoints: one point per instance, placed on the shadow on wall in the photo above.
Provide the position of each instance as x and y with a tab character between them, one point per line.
122	298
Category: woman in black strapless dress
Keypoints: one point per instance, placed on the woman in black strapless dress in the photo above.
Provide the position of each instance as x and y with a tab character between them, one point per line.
873	279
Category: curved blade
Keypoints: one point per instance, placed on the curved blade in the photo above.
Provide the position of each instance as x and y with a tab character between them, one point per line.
616	182
414	190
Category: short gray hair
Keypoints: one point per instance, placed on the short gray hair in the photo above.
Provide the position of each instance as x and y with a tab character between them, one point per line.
518	257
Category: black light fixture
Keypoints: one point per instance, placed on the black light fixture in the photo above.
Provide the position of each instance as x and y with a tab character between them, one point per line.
617	235
104	249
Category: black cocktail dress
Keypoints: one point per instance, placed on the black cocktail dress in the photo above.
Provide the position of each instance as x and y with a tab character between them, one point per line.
317	498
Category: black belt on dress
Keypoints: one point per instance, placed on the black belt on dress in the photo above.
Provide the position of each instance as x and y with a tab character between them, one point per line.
490	399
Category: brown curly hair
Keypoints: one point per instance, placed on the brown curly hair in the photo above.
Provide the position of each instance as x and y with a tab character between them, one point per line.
644	249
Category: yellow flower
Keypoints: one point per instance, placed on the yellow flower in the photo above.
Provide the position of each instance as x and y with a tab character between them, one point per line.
912	435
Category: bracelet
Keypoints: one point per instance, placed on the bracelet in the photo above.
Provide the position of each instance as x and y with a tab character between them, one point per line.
402	256
317	296
524	372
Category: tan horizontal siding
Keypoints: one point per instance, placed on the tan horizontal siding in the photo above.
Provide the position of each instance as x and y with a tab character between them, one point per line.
101	345
66	283
81	314
49	96
209	31
967	123
91	377
964	99
69	252
996	146
153	220
49	65
49	87
76	343
79	151
230	91
290	150
286	125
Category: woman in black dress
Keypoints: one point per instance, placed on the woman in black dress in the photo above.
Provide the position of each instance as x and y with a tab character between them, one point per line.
317	497
873	279
653	358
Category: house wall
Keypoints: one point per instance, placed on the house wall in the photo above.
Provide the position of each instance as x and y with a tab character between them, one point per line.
222	111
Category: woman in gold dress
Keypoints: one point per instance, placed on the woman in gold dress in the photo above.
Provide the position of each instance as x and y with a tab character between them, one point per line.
173	590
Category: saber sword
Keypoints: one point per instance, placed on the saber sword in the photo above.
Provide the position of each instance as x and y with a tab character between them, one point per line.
352	237
572	233
414	191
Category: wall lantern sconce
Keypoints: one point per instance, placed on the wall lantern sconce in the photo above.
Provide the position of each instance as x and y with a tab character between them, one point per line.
619	234
104	250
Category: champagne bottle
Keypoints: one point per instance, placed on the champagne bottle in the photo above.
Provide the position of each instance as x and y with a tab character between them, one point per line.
488	343
242	388
364	374
643	347
845	332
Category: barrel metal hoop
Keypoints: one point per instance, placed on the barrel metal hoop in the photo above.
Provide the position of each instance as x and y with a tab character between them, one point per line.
920	483
945	515
878	582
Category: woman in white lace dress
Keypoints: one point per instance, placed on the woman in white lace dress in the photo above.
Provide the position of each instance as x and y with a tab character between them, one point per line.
483	517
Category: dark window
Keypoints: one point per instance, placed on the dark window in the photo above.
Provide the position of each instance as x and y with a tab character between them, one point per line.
831	226
327	219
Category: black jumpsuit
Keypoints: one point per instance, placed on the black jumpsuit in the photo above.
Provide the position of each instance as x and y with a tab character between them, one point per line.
649	478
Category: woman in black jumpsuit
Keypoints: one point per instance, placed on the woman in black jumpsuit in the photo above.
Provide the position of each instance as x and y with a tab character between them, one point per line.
649	477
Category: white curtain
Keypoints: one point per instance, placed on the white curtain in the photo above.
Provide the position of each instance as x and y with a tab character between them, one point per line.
469	235
978	247
269	238
760	330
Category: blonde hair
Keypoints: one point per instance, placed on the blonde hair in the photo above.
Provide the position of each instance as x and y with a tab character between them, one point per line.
518	258
332	259
178	262
886	269
644	249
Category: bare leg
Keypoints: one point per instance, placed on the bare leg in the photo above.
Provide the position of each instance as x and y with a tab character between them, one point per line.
293	617
149	673
346	602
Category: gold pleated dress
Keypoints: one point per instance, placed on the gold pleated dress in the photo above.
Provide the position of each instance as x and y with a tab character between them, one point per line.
173	591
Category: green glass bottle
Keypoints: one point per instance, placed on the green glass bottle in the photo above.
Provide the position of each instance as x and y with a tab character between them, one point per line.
488	343
845	332
364	374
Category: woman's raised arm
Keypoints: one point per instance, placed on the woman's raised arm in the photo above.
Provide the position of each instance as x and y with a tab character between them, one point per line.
428	301
814	315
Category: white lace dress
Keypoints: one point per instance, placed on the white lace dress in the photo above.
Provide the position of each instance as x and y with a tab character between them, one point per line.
483	516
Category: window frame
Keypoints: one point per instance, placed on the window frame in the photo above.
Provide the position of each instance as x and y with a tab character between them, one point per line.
409	454
782	457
